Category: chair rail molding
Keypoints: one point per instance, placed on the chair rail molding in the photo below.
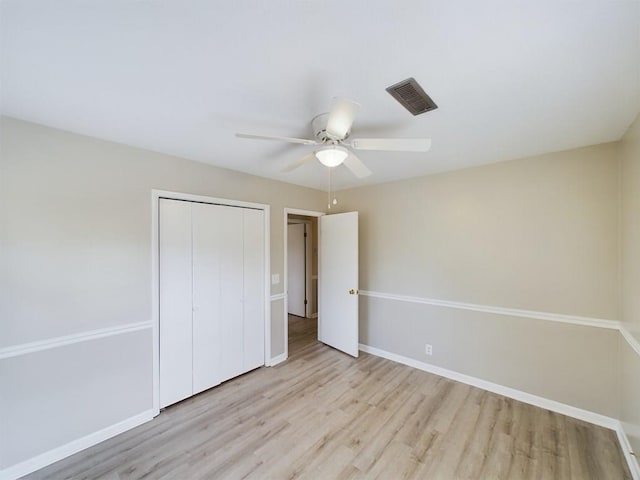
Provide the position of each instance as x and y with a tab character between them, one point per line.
511	312
37	346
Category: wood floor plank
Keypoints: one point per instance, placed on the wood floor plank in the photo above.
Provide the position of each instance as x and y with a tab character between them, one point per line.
323	414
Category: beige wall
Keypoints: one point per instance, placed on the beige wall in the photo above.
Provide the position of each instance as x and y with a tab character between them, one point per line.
76	237
536	234
630	261
75	256
571	364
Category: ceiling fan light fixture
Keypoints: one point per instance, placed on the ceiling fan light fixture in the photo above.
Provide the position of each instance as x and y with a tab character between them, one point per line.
332	156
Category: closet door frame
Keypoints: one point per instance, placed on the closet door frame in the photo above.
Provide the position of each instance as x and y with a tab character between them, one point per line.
156	195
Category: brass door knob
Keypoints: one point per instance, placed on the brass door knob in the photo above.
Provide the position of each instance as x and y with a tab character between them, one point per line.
353	292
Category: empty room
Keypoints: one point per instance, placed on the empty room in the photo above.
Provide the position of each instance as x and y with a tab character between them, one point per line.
319	240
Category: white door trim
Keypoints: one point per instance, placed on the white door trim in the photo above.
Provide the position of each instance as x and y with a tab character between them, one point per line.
287	212
156	195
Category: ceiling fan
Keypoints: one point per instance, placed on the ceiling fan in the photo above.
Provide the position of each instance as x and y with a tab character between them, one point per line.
332	130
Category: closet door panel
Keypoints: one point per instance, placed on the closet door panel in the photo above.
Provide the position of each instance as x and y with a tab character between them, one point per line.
175	301
253	295
206	224
231	287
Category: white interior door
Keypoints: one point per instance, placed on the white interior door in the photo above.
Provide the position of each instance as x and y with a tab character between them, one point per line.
175	301
338	282
296	288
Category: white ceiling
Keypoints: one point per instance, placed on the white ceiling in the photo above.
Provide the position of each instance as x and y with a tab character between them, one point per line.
511	79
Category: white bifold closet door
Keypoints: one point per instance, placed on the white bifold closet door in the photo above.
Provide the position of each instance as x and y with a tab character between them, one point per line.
176	351
211	295
207	291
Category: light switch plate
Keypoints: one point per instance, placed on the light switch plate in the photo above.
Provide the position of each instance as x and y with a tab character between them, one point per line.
275	279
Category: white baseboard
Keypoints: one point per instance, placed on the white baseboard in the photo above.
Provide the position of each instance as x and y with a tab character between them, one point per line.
276	360
314	315
525	397
632	461
562	408
52	456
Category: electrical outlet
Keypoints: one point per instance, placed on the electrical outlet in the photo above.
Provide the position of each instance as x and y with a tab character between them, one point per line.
428	349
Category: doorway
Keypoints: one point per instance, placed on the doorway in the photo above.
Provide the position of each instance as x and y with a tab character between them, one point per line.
335	286
300	277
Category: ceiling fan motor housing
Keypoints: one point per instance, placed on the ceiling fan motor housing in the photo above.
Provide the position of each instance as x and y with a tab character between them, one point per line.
319	127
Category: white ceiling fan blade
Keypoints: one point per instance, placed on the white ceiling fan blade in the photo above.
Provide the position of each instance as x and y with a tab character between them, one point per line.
341	116
302	141
298	163
356	166
392	144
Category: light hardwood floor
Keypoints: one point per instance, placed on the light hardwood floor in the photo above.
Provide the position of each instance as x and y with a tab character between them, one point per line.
324	415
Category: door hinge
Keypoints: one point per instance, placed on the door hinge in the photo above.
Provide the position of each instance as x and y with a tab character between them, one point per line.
305	301
305	234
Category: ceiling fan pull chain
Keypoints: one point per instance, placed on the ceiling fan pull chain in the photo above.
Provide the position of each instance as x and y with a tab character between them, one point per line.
329	202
